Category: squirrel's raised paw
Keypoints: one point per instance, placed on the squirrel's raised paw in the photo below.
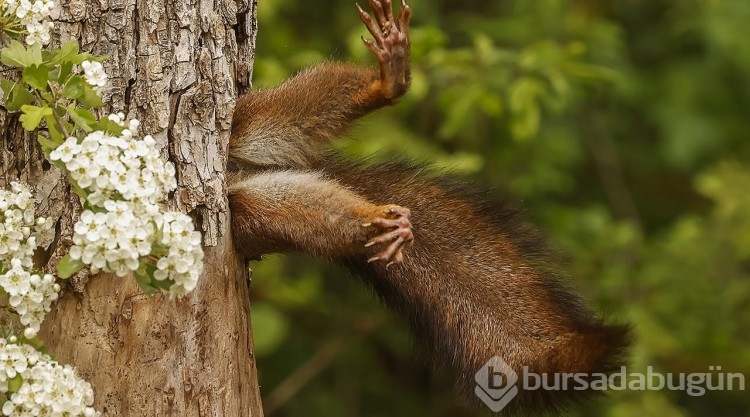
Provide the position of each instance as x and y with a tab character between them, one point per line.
391	45
395	232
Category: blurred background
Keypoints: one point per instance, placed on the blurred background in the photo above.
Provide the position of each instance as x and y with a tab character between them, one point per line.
622	126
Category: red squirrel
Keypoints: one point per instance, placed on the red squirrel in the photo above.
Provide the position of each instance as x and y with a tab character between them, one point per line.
469	277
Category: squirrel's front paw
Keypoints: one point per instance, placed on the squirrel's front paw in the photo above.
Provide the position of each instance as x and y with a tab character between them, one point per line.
391	45
395	233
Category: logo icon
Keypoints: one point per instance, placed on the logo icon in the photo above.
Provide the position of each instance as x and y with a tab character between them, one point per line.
496	384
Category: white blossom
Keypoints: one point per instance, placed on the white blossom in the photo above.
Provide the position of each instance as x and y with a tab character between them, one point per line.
117	167
47	389
183	263
29	295
32	15
94	74
124	226
65	152
113	240
20	231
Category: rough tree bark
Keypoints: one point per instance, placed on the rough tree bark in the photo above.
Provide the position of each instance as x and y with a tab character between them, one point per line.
177	66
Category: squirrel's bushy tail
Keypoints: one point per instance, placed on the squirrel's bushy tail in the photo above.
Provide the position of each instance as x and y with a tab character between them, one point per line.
476	284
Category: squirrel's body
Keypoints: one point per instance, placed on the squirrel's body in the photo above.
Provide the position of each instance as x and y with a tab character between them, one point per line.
473	285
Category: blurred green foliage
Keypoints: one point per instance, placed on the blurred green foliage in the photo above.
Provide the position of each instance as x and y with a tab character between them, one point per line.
623	127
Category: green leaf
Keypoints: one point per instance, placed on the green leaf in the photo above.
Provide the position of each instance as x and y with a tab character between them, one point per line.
108	126
7	85
64	71
16	55
14	384
47	96
67	52
82	118
36	76
164	285
68	266
20	97
77	190
146	287
47	145
6	332
85	56
32	116
55	134
144	276
35	341
145	283
55	123
74	88
16	95
90	98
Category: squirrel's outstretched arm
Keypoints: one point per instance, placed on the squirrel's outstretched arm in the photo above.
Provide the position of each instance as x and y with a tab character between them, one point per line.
288	210
283	126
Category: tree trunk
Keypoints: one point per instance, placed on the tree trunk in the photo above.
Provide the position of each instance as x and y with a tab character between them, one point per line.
177	66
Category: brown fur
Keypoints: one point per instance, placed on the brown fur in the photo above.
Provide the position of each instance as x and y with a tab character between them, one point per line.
293	210
476	283
286	121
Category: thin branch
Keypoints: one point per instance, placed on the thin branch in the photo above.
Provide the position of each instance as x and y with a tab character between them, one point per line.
59	120
304	374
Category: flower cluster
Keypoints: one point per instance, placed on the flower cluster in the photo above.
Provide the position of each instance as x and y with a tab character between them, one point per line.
20	232
113	240
30	295
31	15
183	261
47	388
94	74
124	181
117	167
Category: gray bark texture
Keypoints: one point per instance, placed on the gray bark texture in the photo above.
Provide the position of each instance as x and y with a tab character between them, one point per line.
178	66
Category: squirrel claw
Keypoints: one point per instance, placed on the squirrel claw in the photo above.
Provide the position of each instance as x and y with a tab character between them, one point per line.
396	235
390	45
